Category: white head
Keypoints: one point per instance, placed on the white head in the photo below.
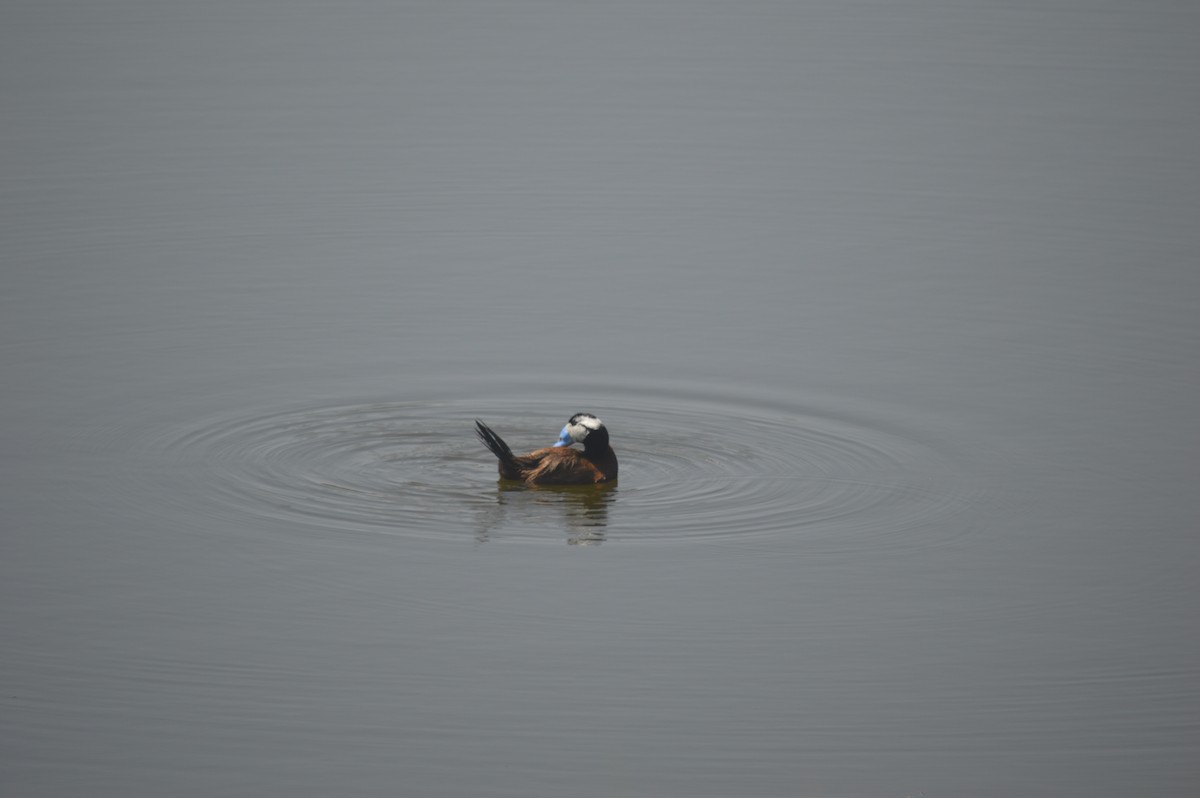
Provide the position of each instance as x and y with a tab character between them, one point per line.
580	426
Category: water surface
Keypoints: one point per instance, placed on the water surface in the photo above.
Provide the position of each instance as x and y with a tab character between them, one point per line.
891	311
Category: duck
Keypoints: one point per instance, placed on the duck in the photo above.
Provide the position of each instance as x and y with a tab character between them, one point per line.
558	464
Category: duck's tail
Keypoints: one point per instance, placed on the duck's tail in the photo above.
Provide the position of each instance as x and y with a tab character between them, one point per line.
494	442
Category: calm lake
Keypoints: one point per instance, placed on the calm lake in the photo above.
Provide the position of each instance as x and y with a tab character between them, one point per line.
892	311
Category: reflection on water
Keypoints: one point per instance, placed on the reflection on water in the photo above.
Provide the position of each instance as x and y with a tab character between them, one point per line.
582	510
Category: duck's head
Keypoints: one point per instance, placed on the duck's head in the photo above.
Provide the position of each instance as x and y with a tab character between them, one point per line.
583	428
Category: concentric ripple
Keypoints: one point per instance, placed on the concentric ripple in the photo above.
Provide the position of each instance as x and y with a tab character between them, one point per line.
690	472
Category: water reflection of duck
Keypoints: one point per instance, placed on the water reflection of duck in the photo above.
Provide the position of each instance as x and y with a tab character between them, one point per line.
558	464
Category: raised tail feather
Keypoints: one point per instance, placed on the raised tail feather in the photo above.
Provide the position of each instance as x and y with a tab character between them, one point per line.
494	442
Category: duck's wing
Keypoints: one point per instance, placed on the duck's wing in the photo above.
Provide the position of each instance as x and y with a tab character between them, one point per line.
561	466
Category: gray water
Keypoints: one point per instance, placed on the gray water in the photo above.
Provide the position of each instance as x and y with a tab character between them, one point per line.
892	309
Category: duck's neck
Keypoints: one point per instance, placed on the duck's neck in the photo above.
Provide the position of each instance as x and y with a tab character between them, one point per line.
596	443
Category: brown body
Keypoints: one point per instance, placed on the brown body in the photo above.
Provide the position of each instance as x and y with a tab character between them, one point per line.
561	465
555	465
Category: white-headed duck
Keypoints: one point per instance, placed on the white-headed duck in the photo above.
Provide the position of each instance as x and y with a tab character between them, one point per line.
558	464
